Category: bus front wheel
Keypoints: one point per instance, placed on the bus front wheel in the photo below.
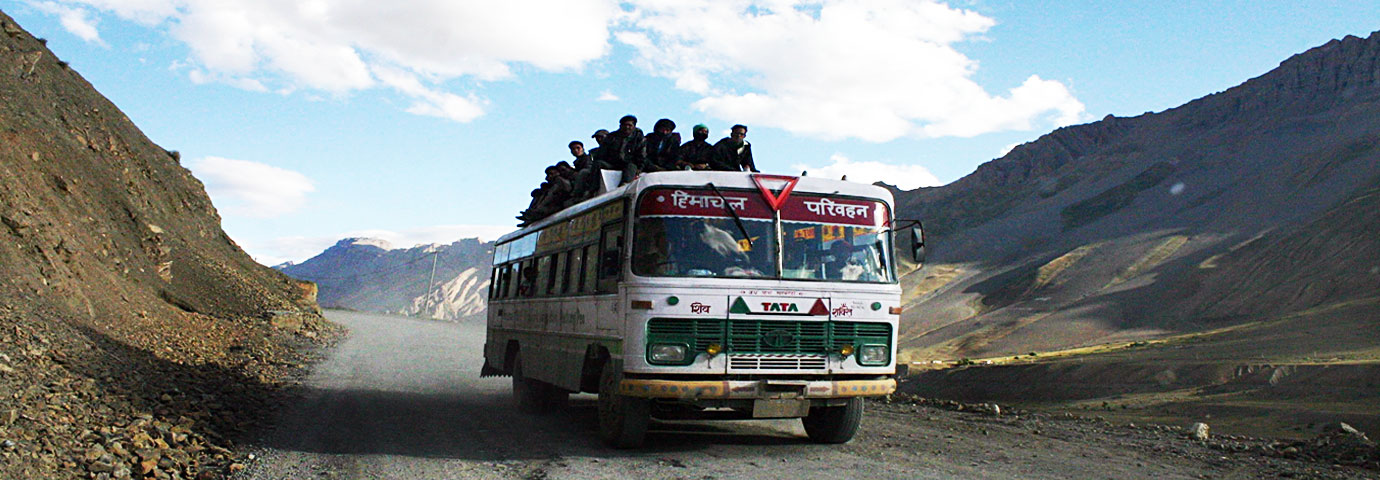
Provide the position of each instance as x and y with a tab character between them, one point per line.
623	420
834	424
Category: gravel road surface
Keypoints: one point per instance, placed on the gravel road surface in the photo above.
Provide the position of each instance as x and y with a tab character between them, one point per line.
402	399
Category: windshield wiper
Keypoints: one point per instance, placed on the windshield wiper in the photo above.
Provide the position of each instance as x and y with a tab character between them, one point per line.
729	208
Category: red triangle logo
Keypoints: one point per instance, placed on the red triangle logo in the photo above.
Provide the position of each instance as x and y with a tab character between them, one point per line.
819	308
775	200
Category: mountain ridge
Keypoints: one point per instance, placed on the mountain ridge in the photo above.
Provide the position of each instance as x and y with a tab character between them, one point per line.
368	274
1095	233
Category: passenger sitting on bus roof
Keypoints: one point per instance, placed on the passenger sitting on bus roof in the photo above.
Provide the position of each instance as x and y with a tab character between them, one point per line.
557	193
577	150
588	172
629	149
527	215
565	170
598	153
694	154
733	153
570	176
663	146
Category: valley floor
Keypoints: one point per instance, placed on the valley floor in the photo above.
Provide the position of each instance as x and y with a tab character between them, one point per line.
402	398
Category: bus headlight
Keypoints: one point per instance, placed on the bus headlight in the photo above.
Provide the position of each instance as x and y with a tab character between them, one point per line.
667	353
873	355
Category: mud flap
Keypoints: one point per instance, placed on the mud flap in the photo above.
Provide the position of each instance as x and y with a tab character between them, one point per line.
489	371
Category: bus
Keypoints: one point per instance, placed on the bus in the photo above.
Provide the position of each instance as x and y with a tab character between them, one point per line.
703	295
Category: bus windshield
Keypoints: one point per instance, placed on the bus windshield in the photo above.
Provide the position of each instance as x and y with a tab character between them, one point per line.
688	233
835	252
704	247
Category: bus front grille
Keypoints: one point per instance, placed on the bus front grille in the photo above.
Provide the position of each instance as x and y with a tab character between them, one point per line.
778	337
777	362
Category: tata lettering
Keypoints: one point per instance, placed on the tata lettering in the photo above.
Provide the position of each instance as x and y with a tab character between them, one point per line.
779	307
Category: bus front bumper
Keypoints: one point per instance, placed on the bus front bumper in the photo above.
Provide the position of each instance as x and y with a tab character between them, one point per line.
755	389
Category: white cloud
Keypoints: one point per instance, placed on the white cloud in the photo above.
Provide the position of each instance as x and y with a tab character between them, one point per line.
340	46
428	101
876	70
301	248
75	20
905	177
252	189
607	96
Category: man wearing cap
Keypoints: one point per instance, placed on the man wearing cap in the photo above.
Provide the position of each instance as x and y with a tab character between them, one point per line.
629	146
663	146
598	151
588	165
695	153
733	153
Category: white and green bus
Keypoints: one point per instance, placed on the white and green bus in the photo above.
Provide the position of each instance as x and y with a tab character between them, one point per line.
703	295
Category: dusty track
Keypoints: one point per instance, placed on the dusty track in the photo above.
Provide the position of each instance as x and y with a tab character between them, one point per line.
403	399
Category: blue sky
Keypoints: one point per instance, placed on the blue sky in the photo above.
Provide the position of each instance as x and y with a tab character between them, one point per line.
429	120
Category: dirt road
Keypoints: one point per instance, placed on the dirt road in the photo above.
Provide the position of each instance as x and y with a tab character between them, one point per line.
402	399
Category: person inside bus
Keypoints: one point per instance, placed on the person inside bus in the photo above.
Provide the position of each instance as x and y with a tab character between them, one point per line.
841	264
797	255
694	154
650	254
663	146
528	281
733	153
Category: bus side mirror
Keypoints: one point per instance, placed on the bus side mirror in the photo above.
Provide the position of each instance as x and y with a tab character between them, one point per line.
917	243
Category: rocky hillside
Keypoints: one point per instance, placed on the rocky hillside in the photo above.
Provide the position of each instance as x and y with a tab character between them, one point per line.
370	275
136	338
1251	205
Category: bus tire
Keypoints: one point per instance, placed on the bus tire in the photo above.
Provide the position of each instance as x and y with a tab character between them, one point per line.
528	395
834	424
623	420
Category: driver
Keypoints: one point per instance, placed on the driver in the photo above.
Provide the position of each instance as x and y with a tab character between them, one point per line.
839	261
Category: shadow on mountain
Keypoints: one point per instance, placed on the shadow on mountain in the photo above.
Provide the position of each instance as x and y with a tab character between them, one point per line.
213	405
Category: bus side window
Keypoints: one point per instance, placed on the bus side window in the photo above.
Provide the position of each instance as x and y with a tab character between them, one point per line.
543	273
610	257
505	278
527	282
496	283
493	283
572	266
591	268
553	284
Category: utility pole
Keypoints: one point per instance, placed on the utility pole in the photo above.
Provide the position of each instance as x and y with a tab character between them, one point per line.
431	282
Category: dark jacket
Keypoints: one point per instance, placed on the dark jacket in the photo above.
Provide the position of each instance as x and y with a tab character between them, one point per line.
695	152
626	151
731	156
663	150
582	162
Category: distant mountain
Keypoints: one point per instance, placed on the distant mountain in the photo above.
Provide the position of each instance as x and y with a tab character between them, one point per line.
1251	205
370	275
